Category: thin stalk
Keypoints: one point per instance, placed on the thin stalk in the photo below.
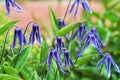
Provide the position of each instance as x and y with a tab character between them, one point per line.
28	26
3	50
67	10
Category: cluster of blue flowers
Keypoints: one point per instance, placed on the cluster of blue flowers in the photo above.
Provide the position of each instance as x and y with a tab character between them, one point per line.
84	36
35	33
57	54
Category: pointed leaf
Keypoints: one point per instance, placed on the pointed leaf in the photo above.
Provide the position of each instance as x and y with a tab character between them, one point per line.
9	70
35	76
8	77
20	60
7	25
68	28
53	20
26	74
85	59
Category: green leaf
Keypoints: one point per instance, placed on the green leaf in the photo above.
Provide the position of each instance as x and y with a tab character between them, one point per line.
9	70
44	50
53	20
6	26
68	28
72	49
35	76
20	60
84	59
8	77
26	74
52	73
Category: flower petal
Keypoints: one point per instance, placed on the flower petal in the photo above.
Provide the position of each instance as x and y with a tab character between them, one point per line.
72	6
7	5
86	43
85	6
108	63
38	37
76	11
116	68
14	40
94	31
49	60
95	44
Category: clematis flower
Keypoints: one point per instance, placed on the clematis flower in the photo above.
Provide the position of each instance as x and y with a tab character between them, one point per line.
85	6
53	53
94	31
49	60
35	33
21	38
90	38
14	4
61	23
108	59
81	30
59	45
67	59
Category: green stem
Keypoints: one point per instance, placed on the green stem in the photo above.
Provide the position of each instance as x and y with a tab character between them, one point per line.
28	25
67	10
3	50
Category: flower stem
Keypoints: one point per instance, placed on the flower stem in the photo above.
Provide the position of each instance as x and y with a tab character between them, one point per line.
3	50
28	25
67	10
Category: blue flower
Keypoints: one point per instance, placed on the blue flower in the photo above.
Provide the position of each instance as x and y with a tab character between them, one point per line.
67	58
21	38
90	37
49	60
35	33
61	23
81	30
85	6
59	45
94	31
15	5
108	59
53	53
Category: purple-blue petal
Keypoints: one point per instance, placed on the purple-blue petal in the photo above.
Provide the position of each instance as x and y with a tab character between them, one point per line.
72	6
38	37
86	43
7	5
14	40
76	11
116	68
85	6
81	29
74	35
95	44
49	60
108	63
94	31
